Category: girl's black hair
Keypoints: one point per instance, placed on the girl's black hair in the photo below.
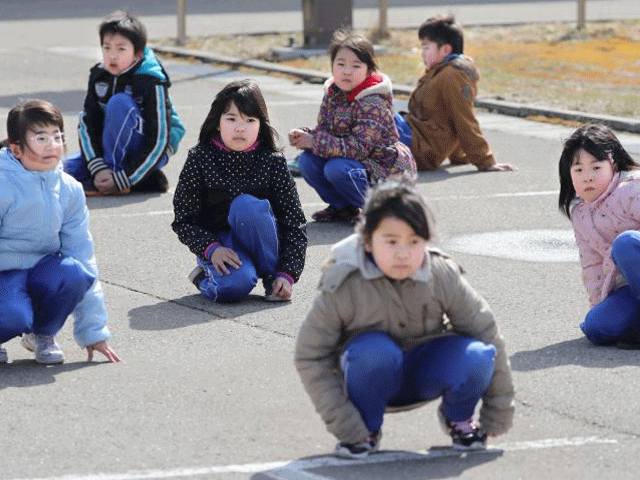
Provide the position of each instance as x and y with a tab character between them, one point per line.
597	140
246	95
360	46
395	197
28	113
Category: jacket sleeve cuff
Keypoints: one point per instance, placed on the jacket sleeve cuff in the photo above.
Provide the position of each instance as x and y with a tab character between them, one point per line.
286	276
95	165
210	249
121	180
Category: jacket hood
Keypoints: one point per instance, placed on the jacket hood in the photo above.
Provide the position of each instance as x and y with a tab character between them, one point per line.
151	66
383	87
349	255
461	62
9	163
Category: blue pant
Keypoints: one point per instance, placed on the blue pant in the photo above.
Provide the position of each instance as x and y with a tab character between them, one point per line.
40	299
254	237
341	182
617	317
379	374
122	137
404	129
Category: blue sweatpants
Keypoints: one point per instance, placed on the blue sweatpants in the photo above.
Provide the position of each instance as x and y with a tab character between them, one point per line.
122	137
617	317
254	237
39	299
404	129
378	374
340	182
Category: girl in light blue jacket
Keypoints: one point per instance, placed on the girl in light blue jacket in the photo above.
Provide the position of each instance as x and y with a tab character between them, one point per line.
47	265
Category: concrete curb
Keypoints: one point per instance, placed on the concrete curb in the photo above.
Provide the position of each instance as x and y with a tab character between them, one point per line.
498	106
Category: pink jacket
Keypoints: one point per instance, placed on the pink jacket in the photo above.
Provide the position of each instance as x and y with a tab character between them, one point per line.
596	226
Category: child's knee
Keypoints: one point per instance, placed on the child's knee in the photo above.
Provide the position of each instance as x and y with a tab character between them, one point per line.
62	276
626	247
481	361
120	101
596	331
373	353
249	209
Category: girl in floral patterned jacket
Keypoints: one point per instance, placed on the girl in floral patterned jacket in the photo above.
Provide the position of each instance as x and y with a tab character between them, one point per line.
600	193
356	142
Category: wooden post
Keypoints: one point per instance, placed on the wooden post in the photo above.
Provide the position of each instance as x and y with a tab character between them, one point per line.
182	22
582	6
383	27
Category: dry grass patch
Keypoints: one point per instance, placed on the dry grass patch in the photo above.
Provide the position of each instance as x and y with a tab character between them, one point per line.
596	70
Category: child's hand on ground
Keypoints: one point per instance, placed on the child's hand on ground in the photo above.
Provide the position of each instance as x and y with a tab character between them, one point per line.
104	182
223	256
503	167
282	288
103	348
300	139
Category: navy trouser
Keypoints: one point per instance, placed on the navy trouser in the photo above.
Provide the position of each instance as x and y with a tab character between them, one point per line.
378	374
254	237
340	182
122	137
39	299
617	317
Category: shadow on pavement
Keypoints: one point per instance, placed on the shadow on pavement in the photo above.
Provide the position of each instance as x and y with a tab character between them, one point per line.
578	351
327	233
154	317
111	201
27	373
68	101
438	462
443	174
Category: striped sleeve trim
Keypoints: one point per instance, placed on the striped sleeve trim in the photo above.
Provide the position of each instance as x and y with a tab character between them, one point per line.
161	139
85	139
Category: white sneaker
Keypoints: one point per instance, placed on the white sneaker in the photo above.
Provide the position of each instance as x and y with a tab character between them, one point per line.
4	358
45	347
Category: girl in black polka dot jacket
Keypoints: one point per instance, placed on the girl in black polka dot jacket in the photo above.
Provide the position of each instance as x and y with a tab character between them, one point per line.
236	206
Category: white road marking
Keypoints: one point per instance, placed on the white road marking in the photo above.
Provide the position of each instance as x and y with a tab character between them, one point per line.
94	213
296	469
528	245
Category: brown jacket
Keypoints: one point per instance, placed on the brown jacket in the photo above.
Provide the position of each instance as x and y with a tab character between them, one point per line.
356	297
442	120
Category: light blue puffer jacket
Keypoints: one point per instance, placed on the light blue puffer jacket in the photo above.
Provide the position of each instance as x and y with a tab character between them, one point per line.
45	213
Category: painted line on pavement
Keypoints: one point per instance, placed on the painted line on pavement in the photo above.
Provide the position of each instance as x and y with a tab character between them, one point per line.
318	204
295	470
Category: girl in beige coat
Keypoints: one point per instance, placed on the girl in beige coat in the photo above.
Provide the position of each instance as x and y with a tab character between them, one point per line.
397	325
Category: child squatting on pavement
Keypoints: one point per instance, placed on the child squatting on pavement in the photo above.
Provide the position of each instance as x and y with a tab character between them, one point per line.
396	325
47	266
600	193
236	206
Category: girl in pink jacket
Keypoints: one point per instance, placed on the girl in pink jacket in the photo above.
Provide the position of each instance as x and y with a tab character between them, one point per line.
600	193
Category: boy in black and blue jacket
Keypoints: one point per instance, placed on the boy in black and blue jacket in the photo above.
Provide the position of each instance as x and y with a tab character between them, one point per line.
128	127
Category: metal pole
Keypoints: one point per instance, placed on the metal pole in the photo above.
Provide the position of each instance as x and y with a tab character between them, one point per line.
182	22
383	27
582	6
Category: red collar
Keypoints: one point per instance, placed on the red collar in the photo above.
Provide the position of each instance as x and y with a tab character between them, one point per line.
370	81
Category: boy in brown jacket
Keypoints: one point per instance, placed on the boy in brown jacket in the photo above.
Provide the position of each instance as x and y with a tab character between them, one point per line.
441	117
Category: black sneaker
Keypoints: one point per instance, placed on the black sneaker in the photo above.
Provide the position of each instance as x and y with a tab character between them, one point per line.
360	450
196	276
154	182
465	435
